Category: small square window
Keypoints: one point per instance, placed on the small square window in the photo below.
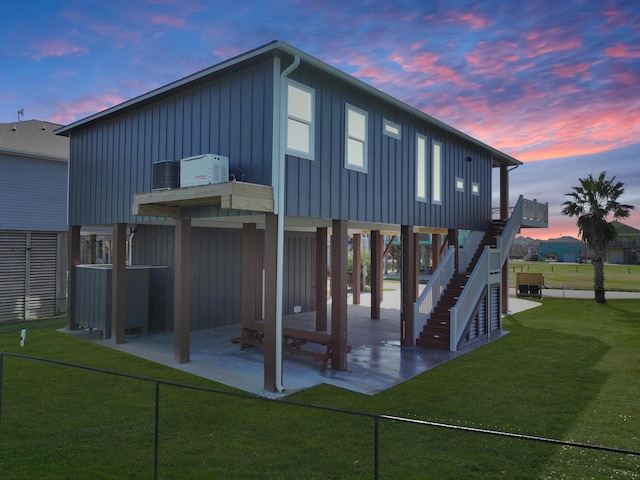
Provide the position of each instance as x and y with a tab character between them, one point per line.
459	184
391	129
475	188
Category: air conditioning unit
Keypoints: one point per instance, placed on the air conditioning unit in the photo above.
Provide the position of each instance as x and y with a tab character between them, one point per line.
166	174
203	170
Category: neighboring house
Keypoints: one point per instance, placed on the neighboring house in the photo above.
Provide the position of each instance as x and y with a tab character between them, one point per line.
33	220
320	153
563	249
626	248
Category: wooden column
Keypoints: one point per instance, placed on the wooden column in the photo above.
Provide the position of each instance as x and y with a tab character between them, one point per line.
248	307
356	269
119	283
321	279
416	250
376	273
270	266
435	251
182	291
339	295
74	259
408	285
453	241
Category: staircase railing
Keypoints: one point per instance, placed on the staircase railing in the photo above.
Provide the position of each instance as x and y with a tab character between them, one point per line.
505	241
432	292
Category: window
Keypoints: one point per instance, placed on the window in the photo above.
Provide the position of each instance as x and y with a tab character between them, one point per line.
421	168
459	184
391	129
300	120
475	188
356	139
436	177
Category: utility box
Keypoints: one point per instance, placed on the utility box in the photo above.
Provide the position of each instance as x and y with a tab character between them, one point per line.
529	284
166	175
203	170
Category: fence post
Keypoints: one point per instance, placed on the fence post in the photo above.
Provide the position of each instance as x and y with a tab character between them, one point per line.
376	441
1	368
156	433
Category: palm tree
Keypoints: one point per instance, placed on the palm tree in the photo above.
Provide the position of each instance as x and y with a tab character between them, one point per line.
593	202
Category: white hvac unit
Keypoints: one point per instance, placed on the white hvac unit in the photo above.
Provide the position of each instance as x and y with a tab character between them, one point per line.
203	170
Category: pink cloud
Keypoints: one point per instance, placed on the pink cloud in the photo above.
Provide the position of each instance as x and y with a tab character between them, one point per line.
549	41
474	21
57	48
168	21
70	111
570	71
123	36
622	51
426	63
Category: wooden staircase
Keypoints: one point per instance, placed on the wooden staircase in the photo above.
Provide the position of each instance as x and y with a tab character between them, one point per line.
437	332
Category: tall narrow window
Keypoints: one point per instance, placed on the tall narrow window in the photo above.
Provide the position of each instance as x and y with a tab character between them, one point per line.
356	139
300	120
436	176
421	168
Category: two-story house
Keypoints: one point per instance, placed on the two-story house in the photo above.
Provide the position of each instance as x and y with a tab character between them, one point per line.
312	152
33	220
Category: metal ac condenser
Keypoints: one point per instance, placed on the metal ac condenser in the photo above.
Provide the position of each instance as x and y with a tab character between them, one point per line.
203	170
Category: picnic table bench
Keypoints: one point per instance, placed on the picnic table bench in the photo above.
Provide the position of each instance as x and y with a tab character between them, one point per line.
293	341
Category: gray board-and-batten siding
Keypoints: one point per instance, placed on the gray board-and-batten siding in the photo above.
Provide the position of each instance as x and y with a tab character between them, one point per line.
231	113
217	275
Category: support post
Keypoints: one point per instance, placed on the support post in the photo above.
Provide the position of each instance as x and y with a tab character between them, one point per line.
435	251
339	295
118	283
453	242
182	291
356	269
270	266
504	215
74	260
408	285
249	276
376	273
321	279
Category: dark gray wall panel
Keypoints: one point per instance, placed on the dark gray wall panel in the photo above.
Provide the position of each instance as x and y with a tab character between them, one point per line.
386	193
217	274
111	160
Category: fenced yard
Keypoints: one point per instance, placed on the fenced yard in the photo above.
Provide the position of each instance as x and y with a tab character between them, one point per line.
557	375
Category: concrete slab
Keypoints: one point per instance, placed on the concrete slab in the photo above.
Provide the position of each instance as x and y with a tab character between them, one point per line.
377	361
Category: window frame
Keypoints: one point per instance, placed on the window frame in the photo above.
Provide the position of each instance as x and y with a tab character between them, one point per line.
421	168
349	135
311	123
459	184
475	188
436	172
389	124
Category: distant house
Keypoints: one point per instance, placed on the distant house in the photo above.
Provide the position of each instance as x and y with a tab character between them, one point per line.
563	249
33	220
311	152
626	248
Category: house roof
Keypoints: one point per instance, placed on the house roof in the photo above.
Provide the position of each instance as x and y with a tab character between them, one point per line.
622	229
565	239
34	138
274	48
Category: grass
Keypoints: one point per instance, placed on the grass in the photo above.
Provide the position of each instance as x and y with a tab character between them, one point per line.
624	278
569	369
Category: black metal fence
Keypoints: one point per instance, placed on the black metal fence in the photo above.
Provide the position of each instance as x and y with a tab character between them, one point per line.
375	419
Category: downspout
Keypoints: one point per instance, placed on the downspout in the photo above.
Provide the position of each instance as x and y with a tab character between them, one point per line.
280	210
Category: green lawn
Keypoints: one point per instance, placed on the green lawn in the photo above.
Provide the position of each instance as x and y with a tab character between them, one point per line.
624	278
569	369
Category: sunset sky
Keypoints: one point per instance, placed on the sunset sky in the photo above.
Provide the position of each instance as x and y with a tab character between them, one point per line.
556	84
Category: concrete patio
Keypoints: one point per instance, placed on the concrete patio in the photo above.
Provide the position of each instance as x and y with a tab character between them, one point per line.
377	361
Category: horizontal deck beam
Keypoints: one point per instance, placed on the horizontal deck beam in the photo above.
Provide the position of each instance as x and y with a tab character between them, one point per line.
229	195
